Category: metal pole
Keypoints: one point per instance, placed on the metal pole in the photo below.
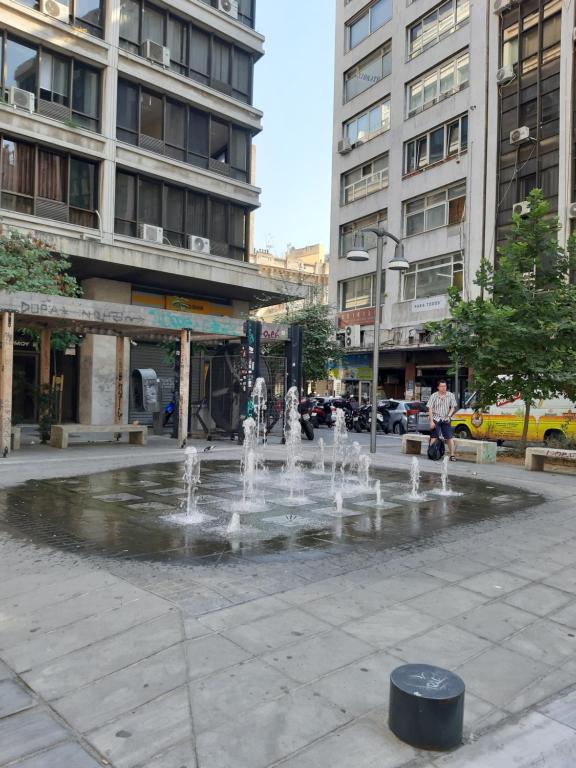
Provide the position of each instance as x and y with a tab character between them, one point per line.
376	350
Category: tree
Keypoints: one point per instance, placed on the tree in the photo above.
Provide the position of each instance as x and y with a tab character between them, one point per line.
320	346
28	264
518	335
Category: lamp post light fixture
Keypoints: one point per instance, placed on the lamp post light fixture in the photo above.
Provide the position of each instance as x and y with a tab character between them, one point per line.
398	264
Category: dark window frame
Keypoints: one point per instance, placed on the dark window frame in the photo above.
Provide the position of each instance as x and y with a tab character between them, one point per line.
42	51
219	248
35	197
96	30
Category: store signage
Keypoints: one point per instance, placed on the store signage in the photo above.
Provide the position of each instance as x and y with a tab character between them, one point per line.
356	317
275	332
354	368
429	304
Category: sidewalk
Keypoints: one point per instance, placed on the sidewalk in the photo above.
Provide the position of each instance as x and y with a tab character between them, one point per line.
286	663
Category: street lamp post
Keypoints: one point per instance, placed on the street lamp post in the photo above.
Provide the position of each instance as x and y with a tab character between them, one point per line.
398	263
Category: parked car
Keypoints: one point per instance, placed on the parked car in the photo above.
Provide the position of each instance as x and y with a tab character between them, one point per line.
403	414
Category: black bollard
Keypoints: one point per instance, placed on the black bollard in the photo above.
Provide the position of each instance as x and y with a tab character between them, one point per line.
426	706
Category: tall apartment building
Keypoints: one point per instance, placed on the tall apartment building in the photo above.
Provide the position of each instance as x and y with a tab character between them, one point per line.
125	141
446	115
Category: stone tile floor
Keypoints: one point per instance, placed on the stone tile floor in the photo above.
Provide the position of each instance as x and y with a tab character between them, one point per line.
135	664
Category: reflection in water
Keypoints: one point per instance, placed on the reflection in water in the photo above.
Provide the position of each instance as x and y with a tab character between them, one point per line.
122	513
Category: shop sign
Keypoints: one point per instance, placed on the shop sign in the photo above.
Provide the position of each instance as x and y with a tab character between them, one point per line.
430	304
180	304
354	368
275	332
356	317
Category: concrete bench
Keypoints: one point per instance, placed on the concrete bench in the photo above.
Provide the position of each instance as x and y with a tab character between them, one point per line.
60	433
485	451
536	457
15	438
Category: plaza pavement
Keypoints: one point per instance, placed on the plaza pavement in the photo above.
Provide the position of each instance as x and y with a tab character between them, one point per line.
282	663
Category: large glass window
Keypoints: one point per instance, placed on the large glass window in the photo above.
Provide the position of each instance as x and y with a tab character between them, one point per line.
369	124
89	16
351	234
130	24
35	180
177	34
437	209
436	85
153	24
438	144
432	277
368	72
54	79
438	23
356	293
151	115
21	63
365	179
221	61
200	56
368	22
181	213
86	96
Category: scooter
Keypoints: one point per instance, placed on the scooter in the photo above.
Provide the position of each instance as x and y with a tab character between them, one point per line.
305	408
322	416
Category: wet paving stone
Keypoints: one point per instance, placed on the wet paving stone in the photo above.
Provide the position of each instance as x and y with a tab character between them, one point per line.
95	515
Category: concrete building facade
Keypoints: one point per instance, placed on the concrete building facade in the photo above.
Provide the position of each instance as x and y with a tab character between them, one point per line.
126	130
423	116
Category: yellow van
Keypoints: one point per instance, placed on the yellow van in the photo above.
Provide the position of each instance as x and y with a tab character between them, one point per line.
549	419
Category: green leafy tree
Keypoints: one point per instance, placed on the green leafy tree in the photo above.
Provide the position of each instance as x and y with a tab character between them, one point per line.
28	264
518	335
320	347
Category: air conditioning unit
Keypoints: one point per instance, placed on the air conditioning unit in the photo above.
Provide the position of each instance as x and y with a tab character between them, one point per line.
503	5
151	234
156	52
344	146
572	211
198	244
522	208
20	98
520	135
56	10
229	6
352	336
505	74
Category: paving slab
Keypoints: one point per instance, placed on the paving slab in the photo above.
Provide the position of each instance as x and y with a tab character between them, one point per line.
64	756
144	733
545	641
28	732
447	602
551	684
564	580
447	646
181	756
346	606
284	726
243	613
539	599
494	583
97	703
13	698
495	621
563	710
276	631
534	742
406	585
212	653
61	676
314	657
226	695
498	674
454	568
366	743
566	615
388	627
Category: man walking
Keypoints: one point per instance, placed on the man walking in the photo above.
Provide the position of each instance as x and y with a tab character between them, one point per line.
441	407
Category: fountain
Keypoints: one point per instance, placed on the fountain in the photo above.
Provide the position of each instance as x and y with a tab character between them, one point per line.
339	502
321	461
364	469
340	439
445	490
259	401
415	494
191	515
292	436
378	489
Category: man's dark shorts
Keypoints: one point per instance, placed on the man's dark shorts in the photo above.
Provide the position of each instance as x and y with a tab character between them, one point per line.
443	429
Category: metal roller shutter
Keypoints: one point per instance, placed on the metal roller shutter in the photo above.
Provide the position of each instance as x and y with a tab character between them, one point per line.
147	355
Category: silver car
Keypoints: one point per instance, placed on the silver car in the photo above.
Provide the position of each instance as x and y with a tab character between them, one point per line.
403	414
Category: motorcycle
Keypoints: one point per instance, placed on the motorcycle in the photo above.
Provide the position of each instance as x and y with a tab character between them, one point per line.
322	416
382	419
305	409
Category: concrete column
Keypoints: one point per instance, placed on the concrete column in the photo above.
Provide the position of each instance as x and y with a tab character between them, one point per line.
98	355
409	378
6	370
109	100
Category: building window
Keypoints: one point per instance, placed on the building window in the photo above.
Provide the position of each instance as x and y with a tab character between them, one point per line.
351	234
65	89
180	212
365	179
358	293
442	21
368	22
433	277
194	53
365	126
521	36
437	84
42	182
368	72
246	10
85	15
437	209
168	127
436	145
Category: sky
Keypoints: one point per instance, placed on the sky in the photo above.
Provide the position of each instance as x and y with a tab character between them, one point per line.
294	88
